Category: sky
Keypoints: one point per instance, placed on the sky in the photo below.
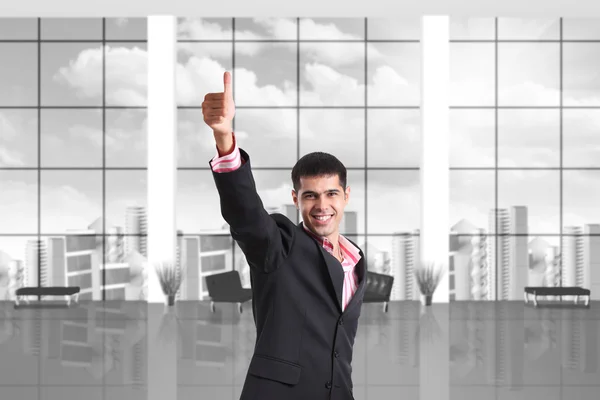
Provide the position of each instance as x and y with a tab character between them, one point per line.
331	73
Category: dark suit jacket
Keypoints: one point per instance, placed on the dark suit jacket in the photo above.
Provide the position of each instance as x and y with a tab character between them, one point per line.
304	341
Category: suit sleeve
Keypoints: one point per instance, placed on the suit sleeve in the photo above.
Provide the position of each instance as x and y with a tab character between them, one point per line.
264	239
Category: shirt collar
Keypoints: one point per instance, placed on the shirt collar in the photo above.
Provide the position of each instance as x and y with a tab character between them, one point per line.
350	251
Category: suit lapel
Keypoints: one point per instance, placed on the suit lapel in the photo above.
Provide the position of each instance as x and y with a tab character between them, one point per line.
336	272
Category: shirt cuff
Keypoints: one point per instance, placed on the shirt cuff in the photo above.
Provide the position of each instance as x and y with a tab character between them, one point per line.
227	162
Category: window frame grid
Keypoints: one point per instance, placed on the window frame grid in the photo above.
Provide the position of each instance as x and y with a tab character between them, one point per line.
103	41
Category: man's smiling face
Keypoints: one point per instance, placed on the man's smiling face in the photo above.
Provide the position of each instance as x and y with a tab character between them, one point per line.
321	201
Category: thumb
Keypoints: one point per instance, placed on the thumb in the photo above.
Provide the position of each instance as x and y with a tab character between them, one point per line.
227	84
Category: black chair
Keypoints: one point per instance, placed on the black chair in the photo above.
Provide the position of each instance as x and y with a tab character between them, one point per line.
379	289
227	287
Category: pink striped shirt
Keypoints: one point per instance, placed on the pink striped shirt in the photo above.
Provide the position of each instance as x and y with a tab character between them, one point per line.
350	253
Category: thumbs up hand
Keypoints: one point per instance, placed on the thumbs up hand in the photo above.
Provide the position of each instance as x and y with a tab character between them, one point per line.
218	109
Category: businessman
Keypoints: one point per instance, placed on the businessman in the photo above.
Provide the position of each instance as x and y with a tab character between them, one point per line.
307	280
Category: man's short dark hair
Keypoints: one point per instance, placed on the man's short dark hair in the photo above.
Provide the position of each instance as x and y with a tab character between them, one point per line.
318	164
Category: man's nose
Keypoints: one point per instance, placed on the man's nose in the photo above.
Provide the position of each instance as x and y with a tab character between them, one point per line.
323	202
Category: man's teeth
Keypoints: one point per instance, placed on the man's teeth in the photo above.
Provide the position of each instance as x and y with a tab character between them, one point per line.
322	217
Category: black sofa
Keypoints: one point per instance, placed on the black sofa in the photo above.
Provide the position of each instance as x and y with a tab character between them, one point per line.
559	291
66	291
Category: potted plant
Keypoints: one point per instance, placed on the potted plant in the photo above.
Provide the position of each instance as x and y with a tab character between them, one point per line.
428	276
170	277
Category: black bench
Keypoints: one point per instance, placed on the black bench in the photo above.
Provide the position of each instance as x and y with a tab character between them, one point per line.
557	291
378	289
66	291
227	287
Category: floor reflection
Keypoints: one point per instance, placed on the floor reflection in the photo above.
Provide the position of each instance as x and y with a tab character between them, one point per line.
471	350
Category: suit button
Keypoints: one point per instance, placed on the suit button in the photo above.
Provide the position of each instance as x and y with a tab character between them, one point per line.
328	385
341	322
336	354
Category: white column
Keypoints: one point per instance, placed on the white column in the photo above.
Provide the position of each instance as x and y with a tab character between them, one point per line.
434	352
434	151
435	230
162	147
163	331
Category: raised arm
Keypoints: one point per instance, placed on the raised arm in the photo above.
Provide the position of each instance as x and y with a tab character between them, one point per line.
264	239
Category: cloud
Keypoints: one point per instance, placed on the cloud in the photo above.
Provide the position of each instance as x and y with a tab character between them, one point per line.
126	138
340	132
472	74
278	28
528	93
472	138
580	200
9	134
10	158
7	129
195	78
314	30
84	74
394	201
389	87
525	138
63	207
196	195
121	22
70	202
280	195
336	54
331	53
472	197
330	87
199	75
214	51
126	75
522	28
18	203
581	127
249	92
330	80
196	28
83	207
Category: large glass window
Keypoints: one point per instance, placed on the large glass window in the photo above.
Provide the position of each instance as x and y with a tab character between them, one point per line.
347	86
523	117
73	144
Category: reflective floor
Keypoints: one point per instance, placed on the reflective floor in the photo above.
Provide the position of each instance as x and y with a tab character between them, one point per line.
462	351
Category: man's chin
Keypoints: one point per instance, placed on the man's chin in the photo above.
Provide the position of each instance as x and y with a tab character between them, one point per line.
322	231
